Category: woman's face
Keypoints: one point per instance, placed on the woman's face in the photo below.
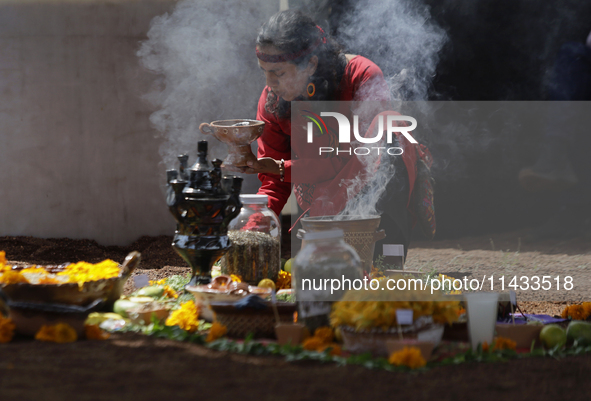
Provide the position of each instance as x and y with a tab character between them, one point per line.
285	79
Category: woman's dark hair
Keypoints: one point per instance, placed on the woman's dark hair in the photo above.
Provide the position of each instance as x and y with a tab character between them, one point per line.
291	32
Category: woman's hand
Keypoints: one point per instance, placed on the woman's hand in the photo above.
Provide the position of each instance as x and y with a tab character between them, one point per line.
262	165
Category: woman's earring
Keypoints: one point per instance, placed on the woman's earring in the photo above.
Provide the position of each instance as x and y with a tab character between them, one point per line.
311	89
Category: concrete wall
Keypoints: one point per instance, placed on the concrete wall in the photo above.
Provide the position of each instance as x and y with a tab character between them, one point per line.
78	157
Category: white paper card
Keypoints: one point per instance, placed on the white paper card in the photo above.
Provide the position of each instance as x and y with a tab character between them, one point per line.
393	250
432	335
141	280
513	297
404	316
315	308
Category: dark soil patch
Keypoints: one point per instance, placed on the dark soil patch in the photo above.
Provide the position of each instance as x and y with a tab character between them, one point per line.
156	251
132	367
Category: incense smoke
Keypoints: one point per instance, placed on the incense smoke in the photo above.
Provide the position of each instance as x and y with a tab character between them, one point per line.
400	37
203	53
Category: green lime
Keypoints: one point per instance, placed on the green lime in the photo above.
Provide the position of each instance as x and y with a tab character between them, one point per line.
553	336
287	266
579	331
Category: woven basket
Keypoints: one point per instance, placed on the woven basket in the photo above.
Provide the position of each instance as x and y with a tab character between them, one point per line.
109	289
375	341
259	322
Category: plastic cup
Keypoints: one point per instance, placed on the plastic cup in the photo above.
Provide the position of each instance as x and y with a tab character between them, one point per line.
482	317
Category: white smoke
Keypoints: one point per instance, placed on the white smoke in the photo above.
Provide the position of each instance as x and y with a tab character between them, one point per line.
203	53
400	37
379	168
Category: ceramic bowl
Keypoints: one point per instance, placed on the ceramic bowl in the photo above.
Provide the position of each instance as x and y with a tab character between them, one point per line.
204	296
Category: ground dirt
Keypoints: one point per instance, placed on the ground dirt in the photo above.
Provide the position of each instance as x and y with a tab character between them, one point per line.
130	367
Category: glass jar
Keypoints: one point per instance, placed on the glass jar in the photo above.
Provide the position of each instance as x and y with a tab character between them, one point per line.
255	234
324	269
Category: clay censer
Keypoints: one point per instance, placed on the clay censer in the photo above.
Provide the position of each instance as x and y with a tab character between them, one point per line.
238	135
203	203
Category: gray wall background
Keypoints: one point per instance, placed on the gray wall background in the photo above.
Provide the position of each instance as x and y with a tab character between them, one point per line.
78	155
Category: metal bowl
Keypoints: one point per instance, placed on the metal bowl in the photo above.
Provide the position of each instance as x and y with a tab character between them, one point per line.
204	296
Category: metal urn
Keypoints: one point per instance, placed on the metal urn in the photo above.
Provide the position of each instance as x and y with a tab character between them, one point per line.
203	203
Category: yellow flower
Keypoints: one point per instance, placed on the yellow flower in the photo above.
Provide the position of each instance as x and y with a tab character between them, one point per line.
446	312
57	333
185	317
216	331
375	273
82	272
169	292
2	258
501	343
12	277
159	282
94	332
283	281
6	329
235	278
365	310
313	344
325	334
408	356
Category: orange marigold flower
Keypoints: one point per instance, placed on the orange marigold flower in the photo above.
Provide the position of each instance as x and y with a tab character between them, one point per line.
94	332
335	349
2	259
57	333
587	309
12	277
485	346
501	343
185	317
235	278
6	329
575	312
283	281
375	273
325	334
408	356
313	344
564	313
216	331
169	292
